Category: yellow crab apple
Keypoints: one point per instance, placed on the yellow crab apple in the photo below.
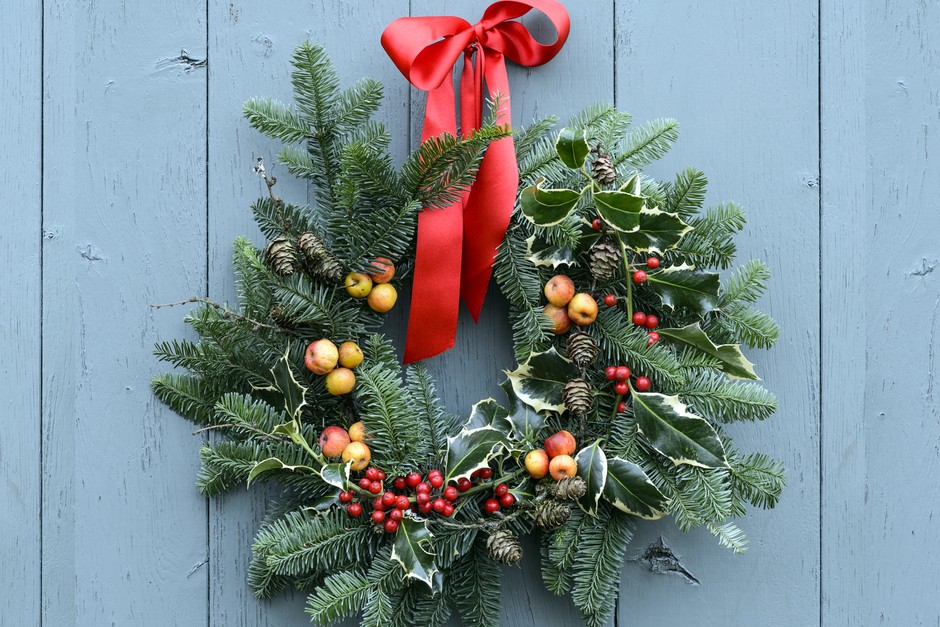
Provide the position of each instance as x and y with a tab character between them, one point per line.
357	453
382	297
562	466
559	290
582	309
358	285
350	355
536	462
340	381
561	323
357	432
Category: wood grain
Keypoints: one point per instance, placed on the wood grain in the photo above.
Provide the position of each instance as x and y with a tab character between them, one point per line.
21	314
742	80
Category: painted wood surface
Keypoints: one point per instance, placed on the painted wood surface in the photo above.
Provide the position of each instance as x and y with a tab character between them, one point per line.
131	175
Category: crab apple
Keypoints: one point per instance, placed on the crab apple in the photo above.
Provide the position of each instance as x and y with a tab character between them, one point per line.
395	514
425	508
639	277
582	309
653	338
448	510
450	493
491	506
562	466
321	356
561	323
333	440
345	497
399	483
357	453
422	497
652	263
413	480
623	373
639	318
382	297
463	484
559	290
402	502
354	510
388	499
383	270
622	387
597	224
611	373
364	483
501	489
340	381
391	526
561	443
536	462
350	355
651	322
643	384
610	300
375	487
357	432
378	516
436	480
507	500
438	505
358	285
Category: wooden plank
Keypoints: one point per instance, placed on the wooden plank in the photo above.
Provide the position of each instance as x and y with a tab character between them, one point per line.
743	82
124	531
250	50
20	307
881	312
579	76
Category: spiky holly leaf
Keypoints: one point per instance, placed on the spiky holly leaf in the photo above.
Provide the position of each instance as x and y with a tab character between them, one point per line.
525	421
489	413
659	231
631	491
545	207
336	475
539	381
620	210
733	362
592	467
572	147
472	449
684	287
544	254
273	463
412	549
286	385
677	433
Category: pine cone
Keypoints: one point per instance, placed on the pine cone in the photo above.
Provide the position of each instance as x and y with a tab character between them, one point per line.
551	514
278	316
582	349
280	254
311	246
577	397
320	261
605	257
504	547
569	489
603	169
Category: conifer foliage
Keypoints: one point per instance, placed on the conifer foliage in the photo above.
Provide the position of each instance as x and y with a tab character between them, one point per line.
391	509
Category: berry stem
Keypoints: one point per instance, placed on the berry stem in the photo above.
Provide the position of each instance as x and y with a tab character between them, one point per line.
629	279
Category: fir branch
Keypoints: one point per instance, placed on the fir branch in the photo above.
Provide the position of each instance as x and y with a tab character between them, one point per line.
729	536
190	396
559	551
687	193
436	423
750	326
342	595
321	544
647	144
712	395
276	120
526	139
759	479
746	285
622	343
358	103
475	580
601	547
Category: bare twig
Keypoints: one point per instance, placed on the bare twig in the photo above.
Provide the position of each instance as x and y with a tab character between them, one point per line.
225	311
236	426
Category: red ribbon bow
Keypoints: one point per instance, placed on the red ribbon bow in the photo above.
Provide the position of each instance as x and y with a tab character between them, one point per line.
457	244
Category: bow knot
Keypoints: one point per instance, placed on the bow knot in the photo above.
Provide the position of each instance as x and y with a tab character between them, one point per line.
456	245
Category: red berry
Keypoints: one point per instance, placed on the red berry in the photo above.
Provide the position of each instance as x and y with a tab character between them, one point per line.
413	479
623	373
434	471
388	499
402	502
622	387
423	497
377	504
448	510
364	483
372	474
501	490
621	407
652	263
354	510
450	493
475	474
375	487
395	514
423	487
378	516
507	500
463	484
486	473
610	300
424	508
597	225
345	497
651	322
639	318
391	526
611	373
643	384
438	505
381	475
654	337
399	483
639	277
436	480
491	506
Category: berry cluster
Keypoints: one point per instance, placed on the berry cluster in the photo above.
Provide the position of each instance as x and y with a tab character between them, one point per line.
650	321
501	498
621	377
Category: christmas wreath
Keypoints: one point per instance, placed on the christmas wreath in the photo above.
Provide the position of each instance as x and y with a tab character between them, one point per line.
627	339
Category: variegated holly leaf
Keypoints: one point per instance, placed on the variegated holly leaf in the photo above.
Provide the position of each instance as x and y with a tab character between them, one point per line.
489	413
659	231
544	254
632	185
472	449
539	381
677	433
336	475
525	421
684	287
620	210
572	147
631	491
545	207
273	463
592	467
733	362
413	550
286	385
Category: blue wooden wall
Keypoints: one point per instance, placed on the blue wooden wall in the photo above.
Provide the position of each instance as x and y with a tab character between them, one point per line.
127	173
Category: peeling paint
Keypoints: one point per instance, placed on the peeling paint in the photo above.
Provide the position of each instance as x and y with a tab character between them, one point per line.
661	559
925	268
183	61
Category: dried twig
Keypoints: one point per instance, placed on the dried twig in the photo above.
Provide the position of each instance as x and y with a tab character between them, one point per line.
225	311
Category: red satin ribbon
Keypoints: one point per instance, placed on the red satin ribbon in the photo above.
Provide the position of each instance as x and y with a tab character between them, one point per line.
457	244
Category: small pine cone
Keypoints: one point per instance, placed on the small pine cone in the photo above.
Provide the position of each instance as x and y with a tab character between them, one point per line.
582	349
321	262
577	397
311	246
504	547
281	256
569	489
603	169
605	257
551	514
278	316
329	269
